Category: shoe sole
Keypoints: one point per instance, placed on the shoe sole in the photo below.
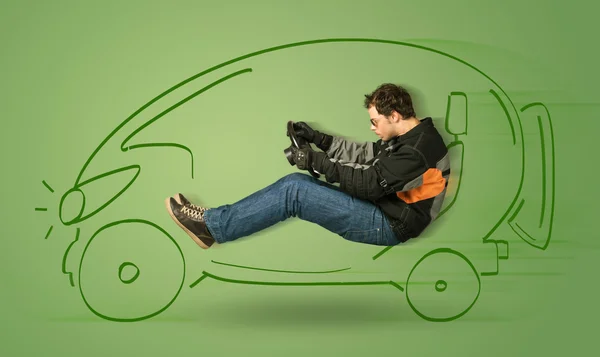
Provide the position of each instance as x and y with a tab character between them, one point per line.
192	235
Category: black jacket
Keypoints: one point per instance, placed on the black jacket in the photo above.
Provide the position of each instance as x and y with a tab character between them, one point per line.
406	176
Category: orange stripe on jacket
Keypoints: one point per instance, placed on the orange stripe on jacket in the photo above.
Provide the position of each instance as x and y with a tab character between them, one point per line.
433	185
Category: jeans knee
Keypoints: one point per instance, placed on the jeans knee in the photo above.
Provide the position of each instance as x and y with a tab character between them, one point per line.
296	177
297	182
293	188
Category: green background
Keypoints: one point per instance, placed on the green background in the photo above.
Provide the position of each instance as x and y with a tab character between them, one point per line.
73	71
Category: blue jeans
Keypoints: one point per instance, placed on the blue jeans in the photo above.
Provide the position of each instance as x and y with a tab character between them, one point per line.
301	195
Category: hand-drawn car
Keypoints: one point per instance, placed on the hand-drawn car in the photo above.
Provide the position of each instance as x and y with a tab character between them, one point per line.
502	186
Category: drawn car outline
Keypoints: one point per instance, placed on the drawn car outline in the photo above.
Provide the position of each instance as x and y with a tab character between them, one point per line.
537	236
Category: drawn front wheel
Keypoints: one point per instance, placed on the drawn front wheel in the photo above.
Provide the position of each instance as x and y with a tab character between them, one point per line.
130	270
443	285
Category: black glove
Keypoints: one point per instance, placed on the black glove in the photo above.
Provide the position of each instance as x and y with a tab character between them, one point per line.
323	141
303	157
319	161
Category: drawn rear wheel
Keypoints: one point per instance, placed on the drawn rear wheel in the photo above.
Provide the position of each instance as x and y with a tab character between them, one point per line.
443	285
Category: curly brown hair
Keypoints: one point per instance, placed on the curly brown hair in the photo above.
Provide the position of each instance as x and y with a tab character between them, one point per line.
389	97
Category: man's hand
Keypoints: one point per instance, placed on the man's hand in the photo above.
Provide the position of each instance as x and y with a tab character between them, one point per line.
303	130
303	157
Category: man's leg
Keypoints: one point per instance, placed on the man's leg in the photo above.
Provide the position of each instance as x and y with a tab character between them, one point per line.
300	195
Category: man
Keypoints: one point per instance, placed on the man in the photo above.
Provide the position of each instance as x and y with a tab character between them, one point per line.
390	190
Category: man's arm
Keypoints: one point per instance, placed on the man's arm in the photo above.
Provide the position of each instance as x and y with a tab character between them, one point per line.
349	151
337	147
397	173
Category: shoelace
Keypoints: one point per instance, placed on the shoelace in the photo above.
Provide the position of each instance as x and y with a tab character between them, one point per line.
195	214
198	208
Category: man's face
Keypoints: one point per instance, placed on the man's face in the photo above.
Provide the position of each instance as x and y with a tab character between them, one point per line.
381	125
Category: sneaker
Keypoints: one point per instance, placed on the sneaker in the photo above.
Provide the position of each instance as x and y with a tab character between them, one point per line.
185	202
191	221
